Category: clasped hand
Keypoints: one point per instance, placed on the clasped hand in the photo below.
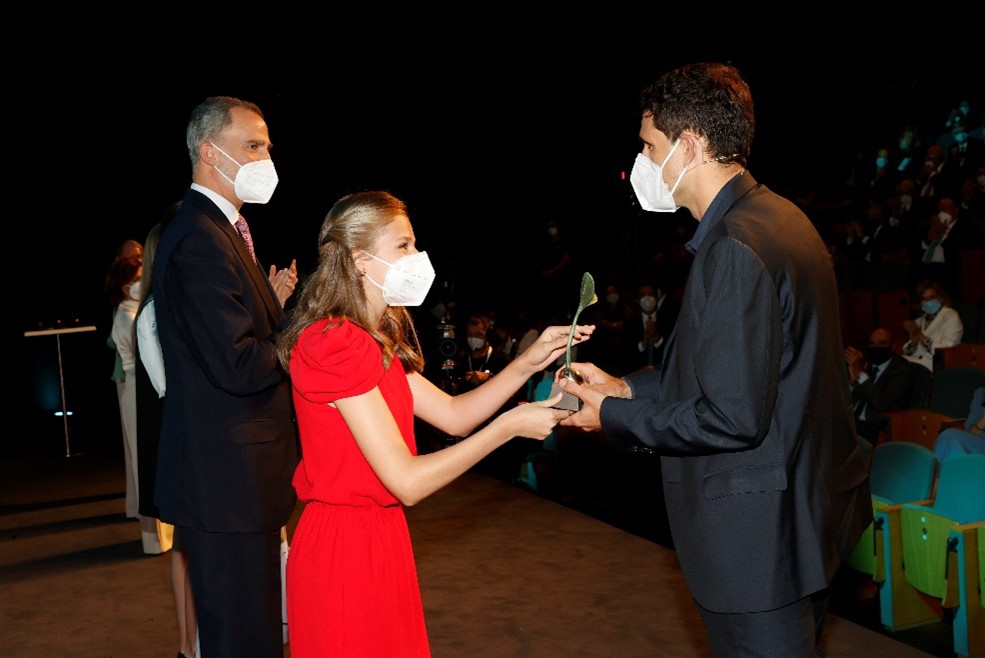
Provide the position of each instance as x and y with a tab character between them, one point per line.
284	281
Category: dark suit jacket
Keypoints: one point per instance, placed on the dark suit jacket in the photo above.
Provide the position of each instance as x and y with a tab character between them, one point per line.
764	479
633	328
228	445
891	391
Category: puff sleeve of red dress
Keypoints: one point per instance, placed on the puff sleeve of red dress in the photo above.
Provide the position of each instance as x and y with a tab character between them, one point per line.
333	361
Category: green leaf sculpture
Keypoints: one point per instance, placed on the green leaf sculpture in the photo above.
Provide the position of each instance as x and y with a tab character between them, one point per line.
586	299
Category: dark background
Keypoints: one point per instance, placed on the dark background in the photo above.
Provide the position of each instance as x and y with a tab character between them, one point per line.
484	142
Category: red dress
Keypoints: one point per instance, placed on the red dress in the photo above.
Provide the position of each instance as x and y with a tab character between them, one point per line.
352	587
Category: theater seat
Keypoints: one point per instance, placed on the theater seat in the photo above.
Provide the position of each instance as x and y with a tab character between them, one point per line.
901	472
933	550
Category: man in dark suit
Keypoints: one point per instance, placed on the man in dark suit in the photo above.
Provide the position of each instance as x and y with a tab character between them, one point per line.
880	381
228	445
765	484
648	326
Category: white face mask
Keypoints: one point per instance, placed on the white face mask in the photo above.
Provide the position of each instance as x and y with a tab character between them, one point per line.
612	298
648	183
476	342
648	303
135	290
255	181
945	217
407	281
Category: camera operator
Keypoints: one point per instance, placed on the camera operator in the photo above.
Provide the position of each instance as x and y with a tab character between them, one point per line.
478	361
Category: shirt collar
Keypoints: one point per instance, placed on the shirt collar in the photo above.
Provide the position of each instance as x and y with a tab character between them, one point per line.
735	188
228	209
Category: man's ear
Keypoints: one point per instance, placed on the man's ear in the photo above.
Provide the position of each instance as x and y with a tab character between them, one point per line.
208	154
694	145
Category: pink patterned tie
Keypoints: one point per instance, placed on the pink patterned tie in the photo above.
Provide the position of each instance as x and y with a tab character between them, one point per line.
244	231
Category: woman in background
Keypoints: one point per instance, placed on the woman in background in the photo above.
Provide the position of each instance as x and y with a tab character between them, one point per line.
123	291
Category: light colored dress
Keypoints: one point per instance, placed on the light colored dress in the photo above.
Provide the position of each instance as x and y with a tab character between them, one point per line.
156	537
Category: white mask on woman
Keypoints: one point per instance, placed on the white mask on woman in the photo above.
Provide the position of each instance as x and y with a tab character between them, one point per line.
408	280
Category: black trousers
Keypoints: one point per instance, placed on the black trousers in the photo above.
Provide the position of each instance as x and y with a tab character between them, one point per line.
793	631
235	580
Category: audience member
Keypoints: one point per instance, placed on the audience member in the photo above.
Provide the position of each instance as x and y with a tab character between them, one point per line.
971	439
557	279
907	155
477	360
936	179
649	322
880	381
938	325
228	444
355	365
971	205
123	291
967	152
609	347
946	235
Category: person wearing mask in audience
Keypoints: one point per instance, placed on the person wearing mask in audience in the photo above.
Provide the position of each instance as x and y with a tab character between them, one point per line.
938	325
609	347
945	236
557	281
228	443
937	178
880	381
355	364
970	440
967	152
876	238
649	325
765	483
478	360
907	154
123	290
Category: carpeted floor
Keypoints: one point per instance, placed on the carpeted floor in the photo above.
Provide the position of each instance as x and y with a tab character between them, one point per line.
504	572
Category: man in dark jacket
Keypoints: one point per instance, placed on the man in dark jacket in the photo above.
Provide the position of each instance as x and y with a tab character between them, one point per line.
765	484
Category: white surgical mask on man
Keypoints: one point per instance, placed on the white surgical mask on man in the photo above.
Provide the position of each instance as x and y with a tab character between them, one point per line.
408	280
255	181
648	183
648	303
476	342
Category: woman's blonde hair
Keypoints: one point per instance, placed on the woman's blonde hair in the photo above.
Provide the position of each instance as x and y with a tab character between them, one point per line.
335	289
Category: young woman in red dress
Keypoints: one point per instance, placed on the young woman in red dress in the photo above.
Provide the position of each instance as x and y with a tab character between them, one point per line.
356	365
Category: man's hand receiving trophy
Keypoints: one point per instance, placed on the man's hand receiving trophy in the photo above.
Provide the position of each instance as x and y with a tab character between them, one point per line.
587	298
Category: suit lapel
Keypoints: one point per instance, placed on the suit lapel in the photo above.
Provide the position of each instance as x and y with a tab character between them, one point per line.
257	276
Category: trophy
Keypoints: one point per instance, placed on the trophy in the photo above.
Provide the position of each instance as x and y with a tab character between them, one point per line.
587	298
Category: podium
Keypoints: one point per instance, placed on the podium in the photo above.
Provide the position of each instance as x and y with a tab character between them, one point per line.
57	333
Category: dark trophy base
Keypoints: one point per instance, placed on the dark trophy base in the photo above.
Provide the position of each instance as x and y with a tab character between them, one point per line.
568	401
